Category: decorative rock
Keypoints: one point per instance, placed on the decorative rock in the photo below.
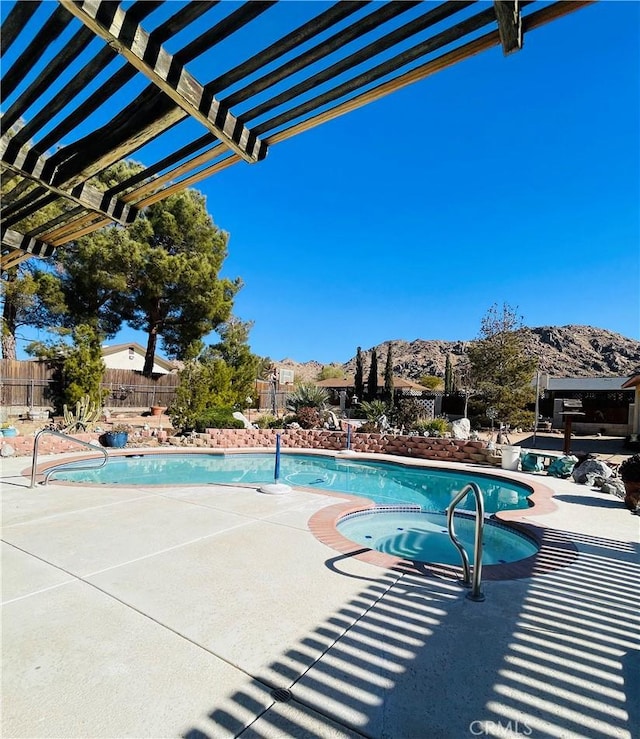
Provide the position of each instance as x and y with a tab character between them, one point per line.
461	429
589	470
7	450
613	486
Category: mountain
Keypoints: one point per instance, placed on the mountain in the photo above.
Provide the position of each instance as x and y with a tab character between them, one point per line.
562	351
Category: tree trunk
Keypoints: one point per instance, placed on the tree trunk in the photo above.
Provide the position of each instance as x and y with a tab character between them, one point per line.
9	315
149	357
8	345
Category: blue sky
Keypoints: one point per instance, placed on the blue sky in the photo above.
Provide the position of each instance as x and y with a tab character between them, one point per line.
510	179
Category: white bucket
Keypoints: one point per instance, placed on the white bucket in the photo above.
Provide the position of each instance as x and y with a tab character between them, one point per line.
510	457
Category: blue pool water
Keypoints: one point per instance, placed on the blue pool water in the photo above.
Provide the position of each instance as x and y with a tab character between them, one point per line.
423	537
382	482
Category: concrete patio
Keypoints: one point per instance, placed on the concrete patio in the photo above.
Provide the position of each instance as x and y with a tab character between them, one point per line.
214	612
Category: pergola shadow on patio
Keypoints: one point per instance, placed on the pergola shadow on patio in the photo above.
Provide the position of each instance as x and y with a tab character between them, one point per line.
88	84
212	611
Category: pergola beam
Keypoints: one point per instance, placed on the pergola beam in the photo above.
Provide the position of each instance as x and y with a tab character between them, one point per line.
22	247
30	164
149	57
509	20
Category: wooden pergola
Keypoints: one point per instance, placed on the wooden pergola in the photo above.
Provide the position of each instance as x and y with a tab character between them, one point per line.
94	83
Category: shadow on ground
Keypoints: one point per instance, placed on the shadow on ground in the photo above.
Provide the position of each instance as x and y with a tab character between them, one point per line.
409	656
605	445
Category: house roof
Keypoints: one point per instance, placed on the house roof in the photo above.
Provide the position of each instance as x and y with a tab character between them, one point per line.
139	349
291	71
587	383
399	383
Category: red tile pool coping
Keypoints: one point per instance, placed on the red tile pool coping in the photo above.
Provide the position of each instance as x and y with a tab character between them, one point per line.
555	550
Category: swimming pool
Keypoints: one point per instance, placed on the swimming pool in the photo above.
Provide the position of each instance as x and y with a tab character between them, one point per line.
385	483
422	536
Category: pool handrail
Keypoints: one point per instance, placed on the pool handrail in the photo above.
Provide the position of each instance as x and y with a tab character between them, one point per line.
467	580
66	437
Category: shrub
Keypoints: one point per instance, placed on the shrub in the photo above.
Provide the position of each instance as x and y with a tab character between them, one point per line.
437	426
266	421
308	417
219	417
629	470
406	412
369	427
421	425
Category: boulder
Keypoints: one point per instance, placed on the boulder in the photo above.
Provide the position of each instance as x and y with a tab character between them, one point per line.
587	471
461	429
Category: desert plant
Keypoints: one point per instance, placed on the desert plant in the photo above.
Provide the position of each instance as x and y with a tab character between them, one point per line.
85	414
420	426
265	421
307	396
629	470
437	426
373	409
219	417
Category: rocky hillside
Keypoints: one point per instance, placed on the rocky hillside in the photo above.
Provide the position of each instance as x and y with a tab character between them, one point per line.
563	351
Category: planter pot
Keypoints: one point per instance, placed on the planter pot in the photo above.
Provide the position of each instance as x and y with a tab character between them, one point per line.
157	410
114	439
632	495
9	432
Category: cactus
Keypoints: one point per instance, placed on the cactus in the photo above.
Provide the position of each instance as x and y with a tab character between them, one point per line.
86	414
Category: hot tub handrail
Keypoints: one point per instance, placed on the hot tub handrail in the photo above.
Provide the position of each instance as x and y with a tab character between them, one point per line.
468	581
67	437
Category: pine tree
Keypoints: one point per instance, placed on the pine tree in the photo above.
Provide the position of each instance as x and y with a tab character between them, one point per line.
388	376
372	381
448	376
358	381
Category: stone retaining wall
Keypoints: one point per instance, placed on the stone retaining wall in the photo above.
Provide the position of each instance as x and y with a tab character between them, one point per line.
407	446
23	445
452	450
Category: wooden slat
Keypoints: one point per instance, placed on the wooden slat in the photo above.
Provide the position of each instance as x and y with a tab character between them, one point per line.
13	259
47	227
431	17
38	198
80	80
13	24
28	163
341	39
47	76
170	77
23	247
470	49
53	27
440	40
71	231
553	12
307	31
176	23
509	24
317	25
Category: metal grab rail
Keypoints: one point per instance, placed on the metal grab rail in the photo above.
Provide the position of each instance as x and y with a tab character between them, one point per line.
468	581
36	443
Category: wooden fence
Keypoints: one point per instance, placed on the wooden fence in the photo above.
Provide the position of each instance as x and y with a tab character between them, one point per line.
25	384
